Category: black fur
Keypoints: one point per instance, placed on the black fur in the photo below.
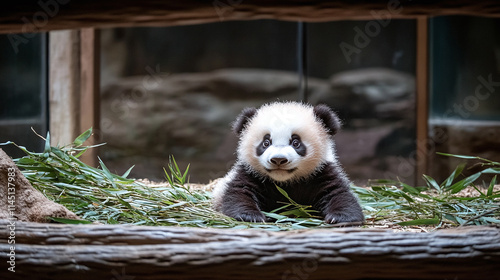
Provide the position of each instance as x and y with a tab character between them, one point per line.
261	149
243	118
302	149
327	191
329	119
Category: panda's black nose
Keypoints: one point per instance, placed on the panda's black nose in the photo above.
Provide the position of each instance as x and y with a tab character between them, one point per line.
279	160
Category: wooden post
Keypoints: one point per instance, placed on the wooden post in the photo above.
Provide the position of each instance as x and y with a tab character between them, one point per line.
89	90
64	86
422	97
74	87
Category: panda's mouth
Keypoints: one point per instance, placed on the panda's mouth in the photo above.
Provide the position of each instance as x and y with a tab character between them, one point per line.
291	170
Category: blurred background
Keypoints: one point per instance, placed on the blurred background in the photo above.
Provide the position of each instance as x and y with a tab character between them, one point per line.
175	91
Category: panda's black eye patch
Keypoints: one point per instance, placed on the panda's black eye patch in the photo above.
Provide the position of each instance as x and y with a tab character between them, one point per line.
297	145
266	142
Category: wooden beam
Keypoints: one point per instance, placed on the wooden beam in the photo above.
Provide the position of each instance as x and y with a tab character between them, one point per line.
422	97
34	16
51	251
90	104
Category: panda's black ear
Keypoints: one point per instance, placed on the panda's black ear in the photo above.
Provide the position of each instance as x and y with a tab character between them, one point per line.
329	119
242	119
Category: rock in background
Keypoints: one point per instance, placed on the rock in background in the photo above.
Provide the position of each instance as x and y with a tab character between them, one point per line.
147	118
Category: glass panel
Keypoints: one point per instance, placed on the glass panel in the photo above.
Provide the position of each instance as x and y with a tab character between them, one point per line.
22	90
365	70
175	91
465	86
465	68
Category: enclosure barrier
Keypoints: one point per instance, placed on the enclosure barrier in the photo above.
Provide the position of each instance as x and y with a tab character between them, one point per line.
56	251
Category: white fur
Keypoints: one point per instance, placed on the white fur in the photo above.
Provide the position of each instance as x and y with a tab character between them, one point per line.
281	121
220	188
282	151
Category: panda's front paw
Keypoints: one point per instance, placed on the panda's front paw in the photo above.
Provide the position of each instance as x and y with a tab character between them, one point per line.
338	218
254	217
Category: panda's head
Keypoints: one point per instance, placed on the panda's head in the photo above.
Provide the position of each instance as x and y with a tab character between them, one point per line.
286	141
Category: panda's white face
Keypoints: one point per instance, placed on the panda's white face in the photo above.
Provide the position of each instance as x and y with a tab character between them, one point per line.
281	155
285	141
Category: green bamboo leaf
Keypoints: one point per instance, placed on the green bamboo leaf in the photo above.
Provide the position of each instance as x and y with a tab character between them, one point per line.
283	192
38	168
490	220
184	176
125	175
478	190
420	222
82	138
26	160
70	186
108	174
81	153
491	171
174	168
407	197
462	184
431	182
460	220
310	222
458	156
281	208
115	192
275	216
179	204
167	176
450	218
361	191
492	185
298	226
449	181
22	148
409	189
47	144
62	155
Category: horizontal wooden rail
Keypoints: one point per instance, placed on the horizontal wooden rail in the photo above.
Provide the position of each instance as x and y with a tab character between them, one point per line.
44	15
51	251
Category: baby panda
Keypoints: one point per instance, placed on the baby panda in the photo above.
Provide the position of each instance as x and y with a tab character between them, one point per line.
290	145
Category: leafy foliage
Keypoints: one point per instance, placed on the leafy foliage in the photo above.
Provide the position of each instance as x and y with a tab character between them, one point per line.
98	195
436	204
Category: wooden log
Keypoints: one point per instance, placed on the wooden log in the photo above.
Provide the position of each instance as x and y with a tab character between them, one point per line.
51	251
35	16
